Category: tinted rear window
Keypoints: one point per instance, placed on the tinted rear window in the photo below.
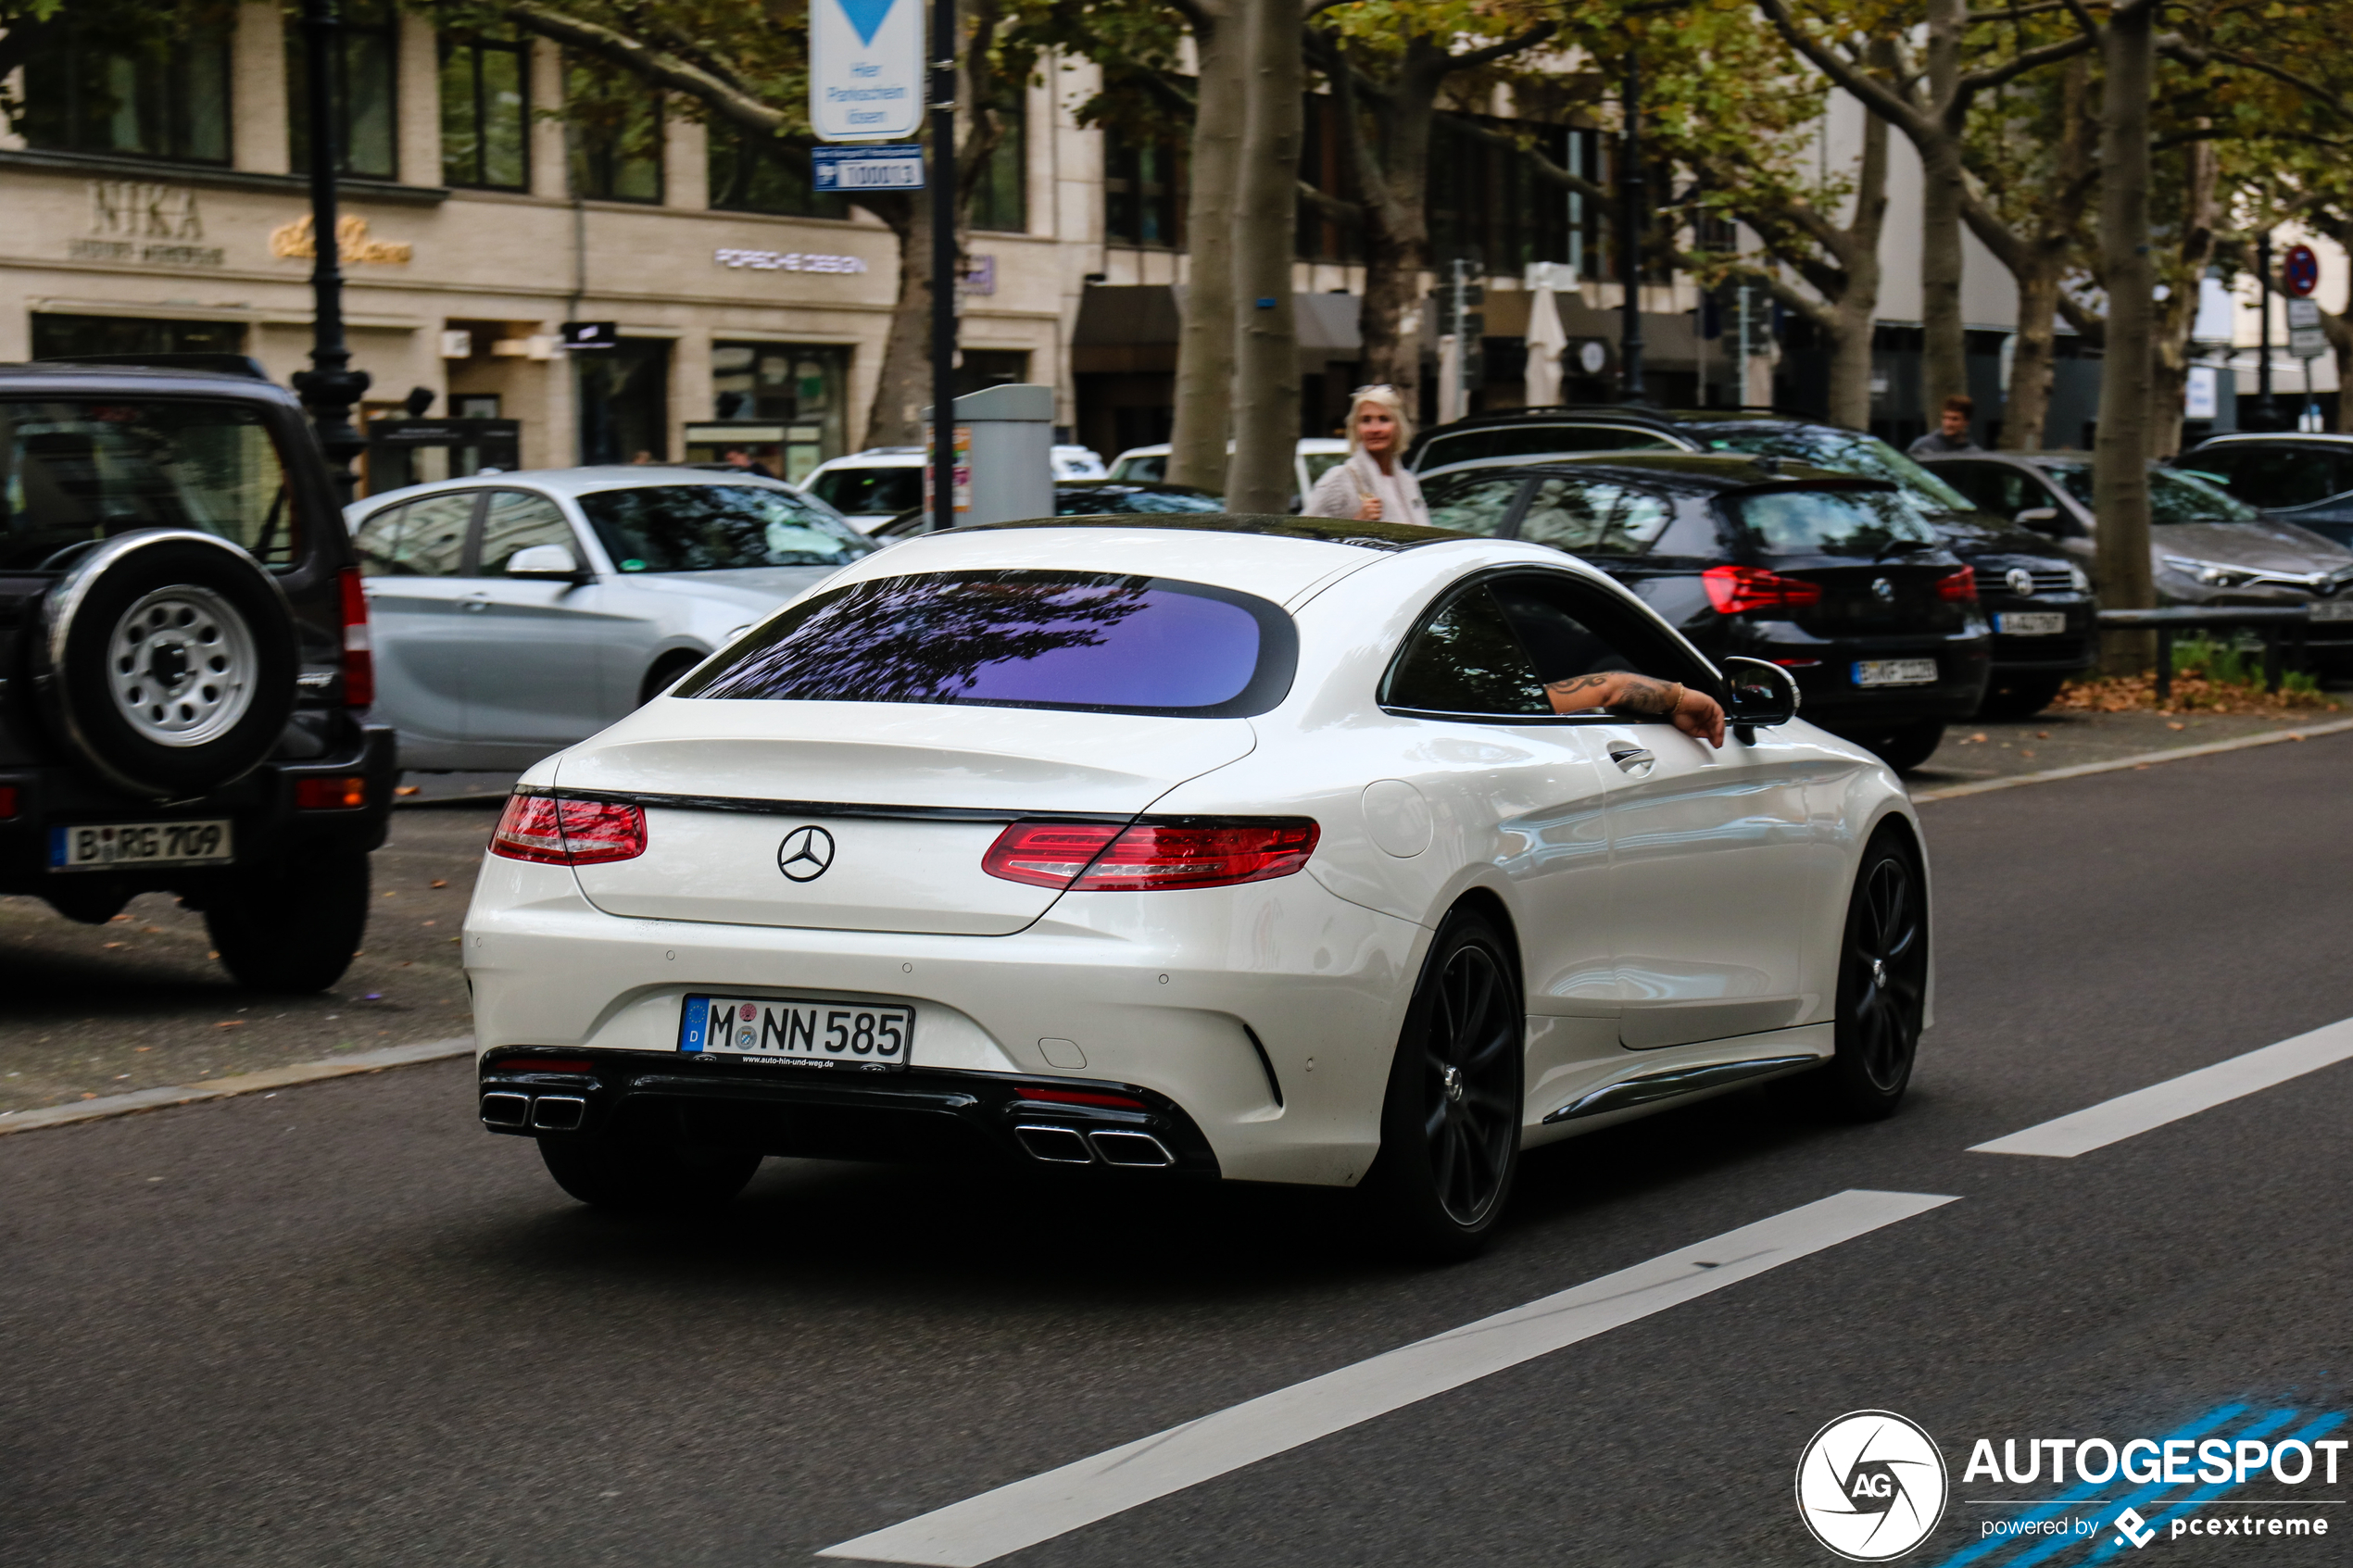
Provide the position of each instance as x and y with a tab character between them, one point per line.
1830	522
84	470
2174	496
1095	642
870	492
1842	451
718	528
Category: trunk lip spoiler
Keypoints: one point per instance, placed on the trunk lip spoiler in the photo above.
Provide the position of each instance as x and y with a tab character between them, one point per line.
765	807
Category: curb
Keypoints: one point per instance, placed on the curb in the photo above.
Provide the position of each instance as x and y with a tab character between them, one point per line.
243	1083
2140	759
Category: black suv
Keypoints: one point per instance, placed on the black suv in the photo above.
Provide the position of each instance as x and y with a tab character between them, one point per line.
2039	601
184	667
1837	579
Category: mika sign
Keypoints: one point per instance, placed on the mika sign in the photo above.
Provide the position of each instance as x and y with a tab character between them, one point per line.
865	68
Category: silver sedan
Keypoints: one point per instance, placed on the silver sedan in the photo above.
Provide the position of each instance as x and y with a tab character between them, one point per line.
516	613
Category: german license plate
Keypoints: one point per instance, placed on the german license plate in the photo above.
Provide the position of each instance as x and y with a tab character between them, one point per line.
2335	610
799	1032
1895	671
100	846
2029	623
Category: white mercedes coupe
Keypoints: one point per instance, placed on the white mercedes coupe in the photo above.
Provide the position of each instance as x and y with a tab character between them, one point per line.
1266	848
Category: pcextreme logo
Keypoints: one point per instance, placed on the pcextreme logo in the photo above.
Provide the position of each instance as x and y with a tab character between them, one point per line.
1872	1486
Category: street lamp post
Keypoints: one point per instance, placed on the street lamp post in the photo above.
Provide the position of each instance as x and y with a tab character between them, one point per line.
944	281
1629	237
2267	407
331	388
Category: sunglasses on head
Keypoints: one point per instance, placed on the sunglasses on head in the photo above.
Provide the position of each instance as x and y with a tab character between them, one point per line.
1377	386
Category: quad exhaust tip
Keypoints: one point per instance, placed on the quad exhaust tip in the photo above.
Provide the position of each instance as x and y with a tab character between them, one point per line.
1055	1146
1131	1149
505	1109
557	1114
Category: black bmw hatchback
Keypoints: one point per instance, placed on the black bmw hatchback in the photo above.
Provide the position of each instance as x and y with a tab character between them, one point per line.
1836	579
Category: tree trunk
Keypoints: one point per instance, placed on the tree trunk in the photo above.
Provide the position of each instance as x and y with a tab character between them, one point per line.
1259	479
1397	227
2169	375
2120	463
1205	338
1943	362
1857	303
2033	361
902	388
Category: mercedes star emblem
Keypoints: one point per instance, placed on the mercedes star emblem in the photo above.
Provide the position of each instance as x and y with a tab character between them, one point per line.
805	854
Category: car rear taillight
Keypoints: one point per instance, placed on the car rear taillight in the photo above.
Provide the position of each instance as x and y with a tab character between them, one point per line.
1733	589
1101	858
1078	1097
331	795
568	832
1961	585
359	652
7	800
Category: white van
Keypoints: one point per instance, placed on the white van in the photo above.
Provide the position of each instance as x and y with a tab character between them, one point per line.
1310	458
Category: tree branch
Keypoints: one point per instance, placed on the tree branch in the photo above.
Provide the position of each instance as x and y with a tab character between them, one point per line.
1874	95
1543	168
658	66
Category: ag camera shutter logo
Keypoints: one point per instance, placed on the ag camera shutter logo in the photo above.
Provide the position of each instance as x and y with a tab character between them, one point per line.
1872	1486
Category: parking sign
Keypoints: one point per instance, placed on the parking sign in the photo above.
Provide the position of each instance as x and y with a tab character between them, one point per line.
865	68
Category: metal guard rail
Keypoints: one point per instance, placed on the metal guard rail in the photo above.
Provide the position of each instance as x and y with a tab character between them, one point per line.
2271	620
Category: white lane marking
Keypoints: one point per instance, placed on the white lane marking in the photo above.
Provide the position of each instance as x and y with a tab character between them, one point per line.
2128	1115
2138	760
241	1083
967	1534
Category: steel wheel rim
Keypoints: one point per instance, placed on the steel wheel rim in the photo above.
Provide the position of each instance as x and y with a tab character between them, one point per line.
1886	964
1471	1114
181	666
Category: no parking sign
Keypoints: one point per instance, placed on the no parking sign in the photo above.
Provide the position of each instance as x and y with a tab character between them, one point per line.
2300	271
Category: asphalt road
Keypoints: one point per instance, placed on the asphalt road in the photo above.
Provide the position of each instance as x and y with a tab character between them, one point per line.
341	1325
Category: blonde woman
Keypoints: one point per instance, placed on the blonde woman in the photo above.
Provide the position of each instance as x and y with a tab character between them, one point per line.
1372	486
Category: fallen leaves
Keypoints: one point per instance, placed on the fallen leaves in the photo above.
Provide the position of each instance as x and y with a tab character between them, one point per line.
439	882
408	789
230	1023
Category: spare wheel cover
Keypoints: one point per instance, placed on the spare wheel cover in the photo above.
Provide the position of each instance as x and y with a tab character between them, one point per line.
184	687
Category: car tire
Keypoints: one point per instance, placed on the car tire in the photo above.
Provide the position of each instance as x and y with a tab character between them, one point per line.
1882	990
664	675
1905	746
292	926
167	662
631	1169
1450	1119
2020	696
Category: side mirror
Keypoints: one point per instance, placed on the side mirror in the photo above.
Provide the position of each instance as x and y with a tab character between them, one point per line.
544	562
2042	519
1762	694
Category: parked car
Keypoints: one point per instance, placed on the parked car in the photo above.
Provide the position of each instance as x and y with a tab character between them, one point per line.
184	669
2038	600
515	615
2306	480
1247	849
1078	462
870	487
2207	547
1835	579
1089	498
1310	459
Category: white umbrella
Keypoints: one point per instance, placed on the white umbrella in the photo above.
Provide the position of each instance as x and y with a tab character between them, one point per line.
1545	341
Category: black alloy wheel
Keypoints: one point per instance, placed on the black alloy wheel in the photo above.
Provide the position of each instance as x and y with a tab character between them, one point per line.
1449	1123
1882	984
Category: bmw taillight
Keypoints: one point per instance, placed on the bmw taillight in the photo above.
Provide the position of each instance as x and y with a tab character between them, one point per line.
568	832
1105	858
1733	589
359	652
1961	585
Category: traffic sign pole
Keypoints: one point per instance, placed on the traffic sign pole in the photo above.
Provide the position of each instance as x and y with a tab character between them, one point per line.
943	264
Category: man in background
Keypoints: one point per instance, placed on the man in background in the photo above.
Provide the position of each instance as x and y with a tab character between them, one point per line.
1951	434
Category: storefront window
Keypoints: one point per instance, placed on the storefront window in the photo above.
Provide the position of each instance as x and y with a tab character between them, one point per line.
612	133
625	401
486	112
748	175
788	402
70	337
366	47
1142	193
162	94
